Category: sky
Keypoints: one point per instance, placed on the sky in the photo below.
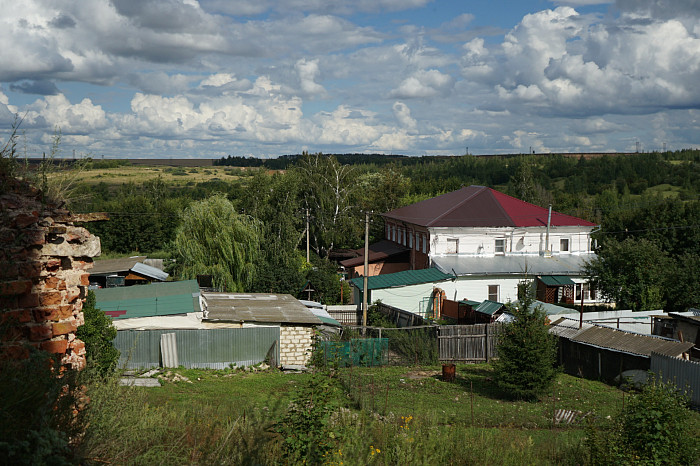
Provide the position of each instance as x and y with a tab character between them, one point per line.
263	78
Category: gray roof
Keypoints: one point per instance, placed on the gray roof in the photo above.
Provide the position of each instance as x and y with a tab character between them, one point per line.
148	271
618	340
257	307
123	264
563	264
567	328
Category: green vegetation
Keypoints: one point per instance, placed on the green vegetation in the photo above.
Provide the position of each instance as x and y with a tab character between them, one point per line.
527	352
98	334
389	415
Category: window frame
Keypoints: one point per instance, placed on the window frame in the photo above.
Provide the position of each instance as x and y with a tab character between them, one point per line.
496	247
497	292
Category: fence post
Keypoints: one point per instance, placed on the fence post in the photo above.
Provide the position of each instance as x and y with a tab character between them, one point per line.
486	335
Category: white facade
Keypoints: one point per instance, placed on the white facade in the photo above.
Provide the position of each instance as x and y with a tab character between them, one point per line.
493	241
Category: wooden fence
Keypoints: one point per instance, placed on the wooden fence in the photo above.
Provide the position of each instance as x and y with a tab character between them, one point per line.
468	343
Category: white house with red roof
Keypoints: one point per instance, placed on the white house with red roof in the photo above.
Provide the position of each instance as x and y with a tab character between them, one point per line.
491	241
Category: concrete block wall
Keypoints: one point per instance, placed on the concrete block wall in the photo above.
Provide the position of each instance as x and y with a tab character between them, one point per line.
296	344
44	261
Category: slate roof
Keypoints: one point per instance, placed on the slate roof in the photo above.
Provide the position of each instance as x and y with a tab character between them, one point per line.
618	340
405	278
377	251
157	299
479	206
133	264
257	307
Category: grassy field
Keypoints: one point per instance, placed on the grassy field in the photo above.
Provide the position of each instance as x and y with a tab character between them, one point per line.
390	415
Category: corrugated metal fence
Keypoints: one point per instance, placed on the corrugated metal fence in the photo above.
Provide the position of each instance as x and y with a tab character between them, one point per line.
684	374
468	343
346	314
400	317
211	349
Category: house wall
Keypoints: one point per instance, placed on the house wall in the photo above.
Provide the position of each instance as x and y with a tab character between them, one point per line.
296	343
522	240
408	298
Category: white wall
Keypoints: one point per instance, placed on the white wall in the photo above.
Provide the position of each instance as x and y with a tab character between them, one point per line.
530	240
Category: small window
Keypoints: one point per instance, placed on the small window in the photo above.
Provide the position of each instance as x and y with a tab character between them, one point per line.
393	233
452	246
500	246
425	245
388	231
493	293
417	242
410	240
564	245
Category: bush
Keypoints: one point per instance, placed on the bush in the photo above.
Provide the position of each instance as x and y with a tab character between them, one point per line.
98	334
525	368
653	428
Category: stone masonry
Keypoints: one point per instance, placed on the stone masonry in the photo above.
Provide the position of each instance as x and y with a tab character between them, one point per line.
296	344
44	260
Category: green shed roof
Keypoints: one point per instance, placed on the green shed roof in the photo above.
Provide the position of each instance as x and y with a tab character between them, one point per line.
405	278
469	302
556	280
158	299
489	307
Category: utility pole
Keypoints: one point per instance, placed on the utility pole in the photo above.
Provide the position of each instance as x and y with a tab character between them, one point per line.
366	272
307	236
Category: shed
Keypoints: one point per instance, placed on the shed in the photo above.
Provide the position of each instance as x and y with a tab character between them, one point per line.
135	270
295	321
598	352
683	326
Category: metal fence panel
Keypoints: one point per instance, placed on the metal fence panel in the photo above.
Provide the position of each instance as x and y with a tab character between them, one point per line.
211	348
684	374
366	352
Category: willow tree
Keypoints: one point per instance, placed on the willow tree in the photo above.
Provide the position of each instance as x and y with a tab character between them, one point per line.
214	239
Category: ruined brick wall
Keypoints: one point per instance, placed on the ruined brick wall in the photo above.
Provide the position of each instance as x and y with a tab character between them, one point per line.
44	260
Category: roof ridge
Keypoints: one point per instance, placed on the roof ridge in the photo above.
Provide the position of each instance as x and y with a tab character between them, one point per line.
459	204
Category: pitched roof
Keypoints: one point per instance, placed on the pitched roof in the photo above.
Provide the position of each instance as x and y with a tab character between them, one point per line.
405	278
479	206
157	299
377	251
489	307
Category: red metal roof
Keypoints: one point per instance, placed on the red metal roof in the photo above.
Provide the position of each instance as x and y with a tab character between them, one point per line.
479	206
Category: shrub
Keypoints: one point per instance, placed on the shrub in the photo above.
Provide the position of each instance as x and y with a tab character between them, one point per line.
653	428
98	333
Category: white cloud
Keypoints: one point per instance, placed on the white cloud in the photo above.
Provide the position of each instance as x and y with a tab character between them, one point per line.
422	84
308	72
403	115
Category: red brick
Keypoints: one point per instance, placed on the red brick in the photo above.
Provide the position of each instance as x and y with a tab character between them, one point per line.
51	283
24	220
52	265
73	294
40	332
13	334
8	302
55	346
85	279
48	314
29	269
15	287
9	270
28	300
34	237
78	346
51	298
62	328
21	316
67	311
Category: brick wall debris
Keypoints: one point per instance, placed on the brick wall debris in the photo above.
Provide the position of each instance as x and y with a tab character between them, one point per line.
296	344
44	262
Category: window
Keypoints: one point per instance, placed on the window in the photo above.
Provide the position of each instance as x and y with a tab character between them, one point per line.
410	240
393	233
452	246
587	289
388	231
500	246
493	293
425	246
417	242
564	245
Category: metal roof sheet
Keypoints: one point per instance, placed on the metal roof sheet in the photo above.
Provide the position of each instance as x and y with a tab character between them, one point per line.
157	299
470	302
489	307
555	280
479	206
148	271
257	307
628	342
567	328
463	265
405	278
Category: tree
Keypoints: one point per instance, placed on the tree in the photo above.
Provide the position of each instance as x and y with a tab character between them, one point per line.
98	334
631	273
213	239
525	368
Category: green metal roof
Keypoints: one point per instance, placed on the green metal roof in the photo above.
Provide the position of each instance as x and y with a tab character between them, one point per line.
158	299
405	278
468	302
489	307
556	280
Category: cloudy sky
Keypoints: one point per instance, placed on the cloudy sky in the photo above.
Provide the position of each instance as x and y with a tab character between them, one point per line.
182	78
